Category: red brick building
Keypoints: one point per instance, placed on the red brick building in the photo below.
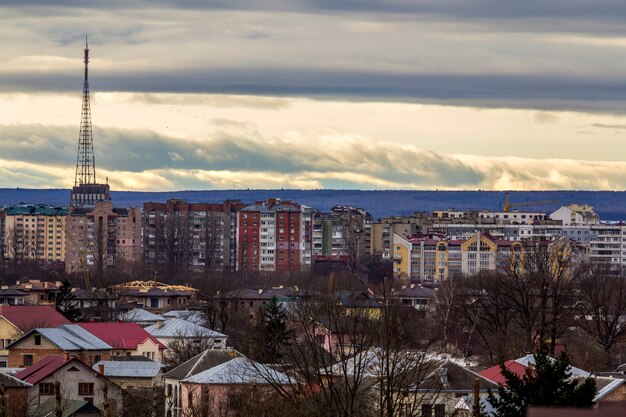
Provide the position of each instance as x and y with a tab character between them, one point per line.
274	235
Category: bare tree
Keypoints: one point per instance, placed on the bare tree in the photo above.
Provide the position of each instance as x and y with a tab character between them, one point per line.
602	308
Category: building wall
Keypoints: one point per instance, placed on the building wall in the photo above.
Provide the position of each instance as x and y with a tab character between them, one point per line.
38	235
69	380
27	346
8	334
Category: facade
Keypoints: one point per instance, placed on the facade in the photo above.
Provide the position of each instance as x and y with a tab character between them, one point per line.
199	363
102	236
77	382
35	232
194	236
38	292
39	343
576	215
344	231
274	236
15	395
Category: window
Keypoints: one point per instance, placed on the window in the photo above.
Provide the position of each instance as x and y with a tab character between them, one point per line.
28	360
427	410
46	388
440	410
37	340
85	388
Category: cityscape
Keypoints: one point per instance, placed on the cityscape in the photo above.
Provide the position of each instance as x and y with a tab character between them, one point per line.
274	301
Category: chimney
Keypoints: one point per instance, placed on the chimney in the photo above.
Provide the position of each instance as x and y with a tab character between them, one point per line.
159	323
66	356
101	369
260	290
412	285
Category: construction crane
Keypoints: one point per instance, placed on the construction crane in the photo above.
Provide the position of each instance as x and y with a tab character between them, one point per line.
507	206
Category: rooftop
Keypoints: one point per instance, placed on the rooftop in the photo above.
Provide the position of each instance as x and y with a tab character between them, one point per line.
129	369
181	328
240	370
41	369
29	317
120	335
70	337
140	315
201	362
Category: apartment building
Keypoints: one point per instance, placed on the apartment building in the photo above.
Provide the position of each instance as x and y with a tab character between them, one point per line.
345	230
274	235
197	235
35	232
102	236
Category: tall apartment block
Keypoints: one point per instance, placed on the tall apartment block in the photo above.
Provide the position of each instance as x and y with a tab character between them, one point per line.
274	235
102	236
35	232
344	231
198	236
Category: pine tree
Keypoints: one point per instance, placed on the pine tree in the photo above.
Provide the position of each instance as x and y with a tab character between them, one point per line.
548	383
273	333
65	302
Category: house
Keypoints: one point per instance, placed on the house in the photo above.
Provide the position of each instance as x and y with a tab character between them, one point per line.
16	395
76	381
94	303
39	343
199	363
359	302
16	320
141	317
12	297
131	374
609	388
414	296
71	408
176	329
249	302
156	297
127	339
215	387
38	292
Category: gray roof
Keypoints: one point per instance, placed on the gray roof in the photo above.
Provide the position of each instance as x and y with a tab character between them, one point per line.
193	316
180	328
129	369
72	337
139	315
239	371
7	381
201	362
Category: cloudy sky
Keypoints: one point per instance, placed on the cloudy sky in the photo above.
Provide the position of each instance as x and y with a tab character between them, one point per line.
394	94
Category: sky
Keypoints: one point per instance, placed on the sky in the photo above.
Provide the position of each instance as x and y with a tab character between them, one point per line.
311	94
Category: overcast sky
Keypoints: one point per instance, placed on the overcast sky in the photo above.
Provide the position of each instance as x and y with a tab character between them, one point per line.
394	94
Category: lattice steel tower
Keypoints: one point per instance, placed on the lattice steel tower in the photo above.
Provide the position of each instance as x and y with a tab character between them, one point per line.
86	191
85	161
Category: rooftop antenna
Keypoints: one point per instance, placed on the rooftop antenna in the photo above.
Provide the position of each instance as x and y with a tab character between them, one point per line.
85	160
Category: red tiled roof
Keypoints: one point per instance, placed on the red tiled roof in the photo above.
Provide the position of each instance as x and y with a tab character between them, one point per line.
495	373
120	335
28	317
47	366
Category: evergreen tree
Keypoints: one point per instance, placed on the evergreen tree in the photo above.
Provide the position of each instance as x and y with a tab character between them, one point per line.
272	332
548	383
65	302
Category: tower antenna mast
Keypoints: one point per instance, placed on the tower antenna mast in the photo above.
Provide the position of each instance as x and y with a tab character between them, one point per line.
85	161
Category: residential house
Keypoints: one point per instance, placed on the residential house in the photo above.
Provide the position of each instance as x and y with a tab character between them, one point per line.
249	302
127	339
414	295
199	363
38	292
157	299
16	395
94	303
77	382
193	316
176	329
16	320
40	343
131	374
12	297
215	387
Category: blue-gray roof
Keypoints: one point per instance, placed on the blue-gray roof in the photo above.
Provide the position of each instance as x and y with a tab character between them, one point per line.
129	369
73	337
192	316
35	210
180	328
139	315
240	370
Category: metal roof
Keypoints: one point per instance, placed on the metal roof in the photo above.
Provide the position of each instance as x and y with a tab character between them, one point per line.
129	369
35	210
27	317
139	315
181	328
239	371
73	337
201	362
192	316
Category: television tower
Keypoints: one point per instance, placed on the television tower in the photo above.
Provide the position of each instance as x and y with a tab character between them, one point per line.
86	191
85	161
